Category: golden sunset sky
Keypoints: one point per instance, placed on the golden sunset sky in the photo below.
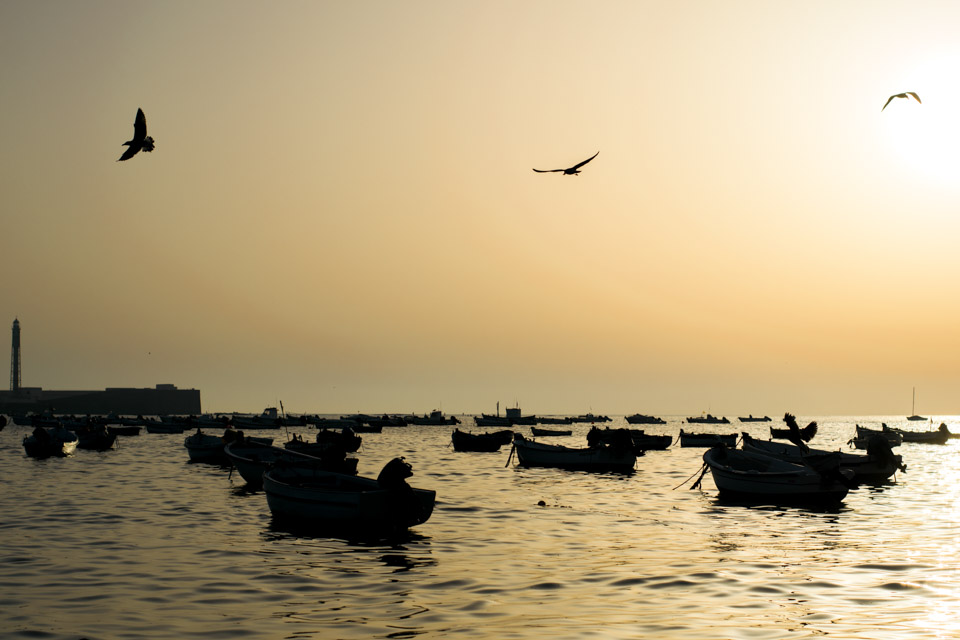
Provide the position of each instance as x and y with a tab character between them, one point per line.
340	212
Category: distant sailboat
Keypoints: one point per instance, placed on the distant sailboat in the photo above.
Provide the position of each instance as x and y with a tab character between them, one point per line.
913	409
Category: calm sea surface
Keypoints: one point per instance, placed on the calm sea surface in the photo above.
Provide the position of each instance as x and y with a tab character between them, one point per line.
139	543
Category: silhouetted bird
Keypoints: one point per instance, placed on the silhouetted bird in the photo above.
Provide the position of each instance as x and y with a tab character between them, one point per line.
571	171
800	436
901	95
141	141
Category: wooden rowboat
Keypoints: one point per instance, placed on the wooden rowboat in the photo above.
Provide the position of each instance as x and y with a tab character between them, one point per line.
309	496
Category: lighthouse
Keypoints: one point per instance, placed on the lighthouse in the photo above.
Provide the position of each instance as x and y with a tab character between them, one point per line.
15	358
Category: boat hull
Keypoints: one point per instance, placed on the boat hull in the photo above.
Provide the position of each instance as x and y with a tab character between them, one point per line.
340	501
743	476
536	454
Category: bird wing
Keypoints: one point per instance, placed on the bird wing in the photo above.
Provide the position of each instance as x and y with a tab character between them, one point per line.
129	153
547	170
887	102
809	431
577	166
140	126
915	96
790	420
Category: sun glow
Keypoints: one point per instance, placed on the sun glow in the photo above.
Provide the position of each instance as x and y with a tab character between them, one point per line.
927	136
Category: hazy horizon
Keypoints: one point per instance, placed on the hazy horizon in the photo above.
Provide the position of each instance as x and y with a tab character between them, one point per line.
341	213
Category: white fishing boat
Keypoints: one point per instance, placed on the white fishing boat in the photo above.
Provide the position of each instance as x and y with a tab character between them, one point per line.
754	477
600	458
309	496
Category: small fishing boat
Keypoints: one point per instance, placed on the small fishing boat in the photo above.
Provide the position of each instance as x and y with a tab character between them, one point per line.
708	419
486	442
762	479
750	418
894	438
337	501
639	418
202	447
251	458
639	440
95	438
486	420
269	418
589	418
46	442
435	418
876	466
538	431
938	436
344	440
707	439
600	458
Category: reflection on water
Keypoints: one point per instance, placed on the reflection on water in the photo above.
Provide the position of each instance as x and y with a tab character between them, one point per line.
138	543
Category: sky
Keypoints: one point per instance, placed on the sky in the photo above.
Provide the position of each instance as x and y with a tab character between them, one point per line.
340	212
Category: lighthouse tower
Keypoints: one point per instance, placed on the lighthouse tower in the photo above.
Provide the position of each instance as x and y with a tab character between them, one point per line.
15	358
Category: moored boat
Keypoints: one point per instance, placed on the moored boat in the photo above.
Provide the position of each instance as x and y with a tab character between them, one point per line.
751	418
938	436
482	442
202	447
708	419
707	439
95	438
309	496
601	458
894	438
589	418
251	458
486	420
639	418
639	440
539	431
879	464
762	479
46	442
435	418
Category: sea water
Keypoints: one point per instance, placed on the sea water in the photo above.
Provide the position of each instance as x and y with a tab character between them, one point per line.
140	543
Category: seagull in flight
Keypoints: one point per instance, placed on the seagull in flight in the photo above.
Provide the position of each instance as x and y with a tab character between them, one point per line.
901	95
140	141
570	171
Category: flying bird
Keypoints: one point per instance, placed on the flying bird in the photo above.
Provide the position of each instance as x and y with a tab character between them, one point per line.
570	171
141	141
797	435
906	94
